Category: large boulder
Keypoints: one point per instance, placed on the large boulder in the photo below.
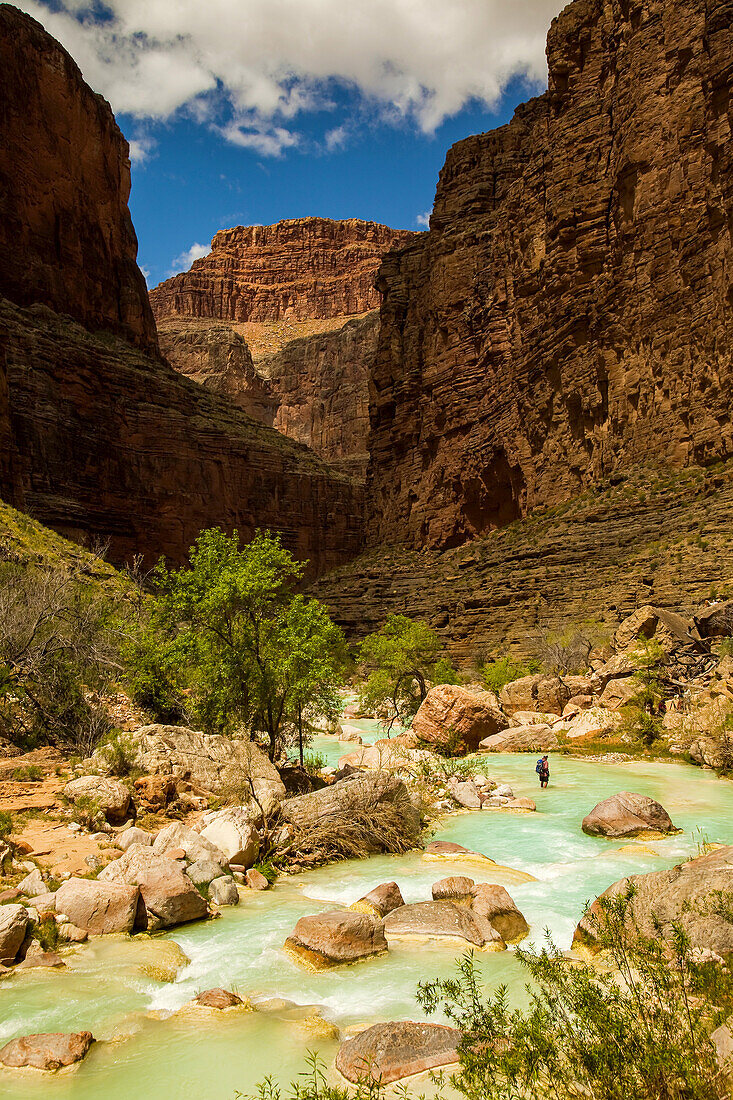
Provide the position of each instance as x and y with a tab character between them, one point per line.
497	906
49	1051
619	693
688	894
168	895
13	925
179	837
98	907
627	814
465	792
380	901
336	937
534	738
357	802
210	762
715	621
596	721
455	719
672	631
133	835
442	920
112	797
456	888
233	833
223	891
536	692
390	1051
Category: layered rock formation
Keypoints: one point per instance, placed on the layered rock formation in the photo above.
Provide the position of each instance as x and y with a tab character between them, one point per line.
299	269
100	439
570	311
310	284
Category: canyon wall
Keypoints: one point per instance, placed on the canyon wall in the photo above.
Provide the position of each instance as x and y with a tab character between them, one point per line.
307	287
570	312
99	437
298	270
66	236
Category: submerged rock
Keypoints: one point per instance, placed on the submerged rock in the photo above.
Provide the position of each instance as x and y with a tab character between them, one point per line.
46	1051
336	937
442	920
390	1051
627	814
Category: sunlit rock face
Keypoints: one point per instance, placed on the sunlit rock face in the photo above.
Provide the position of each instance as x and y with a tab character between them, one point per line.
569	313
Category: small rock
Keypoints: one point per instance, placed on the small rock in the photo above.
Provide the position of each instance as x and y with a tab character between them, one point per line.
69	933
256	880
390	1051
223	891
456	888
33	885
380	901
218	998
40	959
133	835
203	871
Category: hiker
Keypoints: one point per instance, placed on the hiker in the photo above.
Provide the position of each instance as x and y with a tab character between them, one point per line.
543	771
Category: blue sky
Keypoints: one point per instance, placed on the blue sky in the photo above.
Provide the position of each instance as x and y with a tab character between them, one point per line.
193	183
249	111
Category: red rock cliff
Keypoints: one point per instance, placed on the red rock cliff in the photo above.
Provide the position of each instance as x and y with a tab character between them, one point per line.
66	236
99	438
571	310
302	269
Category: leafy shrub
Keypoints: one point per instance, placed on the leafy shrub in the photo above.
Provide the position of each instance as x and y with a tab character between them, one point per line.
267	868
6	824
314	763
46	933
399	661
87	811
118	754
30	774
505	669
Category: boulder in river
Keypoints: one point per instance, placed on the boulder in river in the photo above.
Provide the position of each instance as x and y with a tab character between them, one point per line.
232	831
499	908
47	1051
13	925
99	908
686	894
456	888
532	738
220	999
390	1051
442	920
112	797
335	937
455	719
223	891
380	901
627	814
169	897
194	845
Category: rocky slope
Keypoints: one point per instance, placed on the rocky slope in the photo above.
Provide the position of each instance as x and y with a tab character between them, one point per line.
569	313
306	286
661	538
99	438
300	269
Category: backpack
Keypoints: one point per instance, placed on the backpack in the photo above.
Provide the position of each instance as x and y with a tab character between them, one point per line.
539	766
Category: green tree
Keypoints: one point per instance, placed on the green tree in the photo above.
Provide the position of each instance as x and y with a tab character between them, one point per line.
399	661
231	635
642	713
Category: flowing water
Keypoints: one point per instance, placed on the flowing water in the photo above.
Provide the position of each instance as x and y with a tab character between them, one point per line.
152	1049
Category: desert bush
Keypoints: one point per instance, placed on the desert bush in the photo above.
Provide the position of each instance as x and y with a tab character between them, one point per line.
314	763
6	824
30	774
46	933
505	669
117	751
88	812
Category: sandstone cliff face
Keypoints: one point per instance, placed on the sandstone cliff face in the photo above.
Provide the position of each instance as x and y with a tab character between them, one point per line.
218	357
570	311
300	269
321	384
98	437
66	237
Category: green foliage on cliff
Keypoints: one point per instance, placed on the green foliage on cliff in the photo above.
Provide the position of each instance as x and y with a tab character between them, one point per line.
503	670
399	662
230	640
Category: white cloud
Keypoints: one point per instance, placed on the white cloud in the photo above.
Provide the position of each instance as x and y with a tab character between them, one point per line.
423	220
140	149
184	261
336	139
271	60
